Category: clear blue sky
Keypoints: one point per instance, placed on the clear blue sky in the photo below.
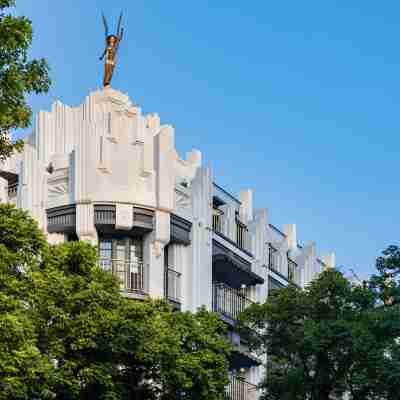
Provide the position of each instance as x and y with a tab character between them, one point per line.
297	99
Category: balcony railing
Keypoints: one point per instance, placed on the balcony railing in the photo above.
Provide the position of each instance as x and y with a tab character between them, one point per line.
12	190
174	285
274	259
293	271
226	197
239	389
130	274
217	221
234	231
241	234
228	301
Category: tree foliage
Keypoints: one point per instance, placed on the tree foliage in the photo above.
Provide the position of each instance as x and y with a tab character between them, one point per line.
67	333
386	282
330	339
18	76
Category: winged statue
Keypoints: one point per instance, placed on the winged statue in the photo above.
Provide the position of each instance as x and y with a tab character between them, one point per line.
111	50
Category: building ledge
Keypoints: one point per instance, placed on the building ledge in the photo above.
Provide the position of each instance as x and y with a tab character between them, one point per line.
230	268
283	277
233	243
242	358
176	305
135	295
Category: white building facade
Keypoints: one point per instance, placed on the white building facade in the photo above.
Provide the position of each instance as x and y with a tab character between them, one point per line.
106	173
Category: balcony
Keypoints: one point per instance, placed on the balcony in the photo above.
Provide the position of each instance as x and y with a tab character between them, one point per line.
274	261
290	271
174	287
293	272
238	236
232	269
217	220
226	222
221	196
229	302
240	389
241	235
131	275
12	191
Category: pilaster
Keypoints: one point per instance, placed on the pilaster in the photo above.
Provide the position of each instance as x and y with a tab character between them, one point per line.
200	277
85	228
164	164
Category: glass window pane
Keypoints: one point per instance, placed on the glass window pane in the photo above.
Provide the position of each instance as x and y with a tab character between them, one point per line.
120	250
105	248
105	253
135	251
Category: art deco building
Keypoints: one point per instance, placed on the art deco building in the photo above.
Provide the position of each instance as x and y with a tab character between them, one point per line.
106	173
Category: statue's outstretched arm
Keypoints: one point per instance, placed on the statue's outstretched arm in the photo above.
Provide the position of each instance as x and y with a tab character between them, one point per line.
105	24
104	53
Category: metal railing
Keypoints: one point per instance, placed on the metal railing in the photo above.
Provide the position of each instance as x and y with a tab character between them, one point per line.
228	301
240	389
217	221
241	234
174	285
238	234
293	271
274	259
130	274
225	196
12	190
104	216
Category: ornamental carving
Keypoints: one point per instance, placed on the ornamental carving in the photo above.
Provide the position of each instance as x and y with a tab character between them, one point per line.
182	200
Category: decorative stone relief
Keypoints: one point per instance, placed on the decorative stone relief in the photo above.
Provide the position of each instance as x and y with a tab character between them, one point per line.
58	188
183	201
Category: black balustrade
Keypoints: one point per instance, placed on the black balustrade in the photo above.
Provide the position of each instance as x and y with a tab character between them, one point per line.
130	274
240	389
229	301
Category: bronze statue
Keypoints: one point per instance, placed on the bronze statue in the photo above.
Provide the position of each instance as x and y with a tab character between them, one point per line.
110	52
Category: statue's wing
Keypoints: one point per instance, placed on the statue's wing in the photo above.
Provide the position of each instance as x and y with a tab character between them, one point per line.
121	35
119	32
105	24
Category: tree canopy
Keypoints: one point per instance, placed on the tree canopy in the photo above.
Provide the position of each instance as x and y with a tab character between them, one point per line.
332	338
67	333
19	76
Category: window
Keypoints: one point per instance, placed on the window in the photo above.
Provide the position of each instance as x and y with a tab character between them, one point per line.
274	259
241	234
293	271
124	258
172	277
105	253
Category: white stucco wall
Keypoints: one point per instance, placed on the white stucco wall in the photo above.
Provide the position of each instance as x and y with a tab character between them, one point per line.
106	151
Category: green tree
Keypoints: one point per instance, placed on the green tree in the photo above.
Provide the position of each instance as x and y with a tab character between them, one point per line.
329	339
22	365
386	282
67	333
386	286
18	76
